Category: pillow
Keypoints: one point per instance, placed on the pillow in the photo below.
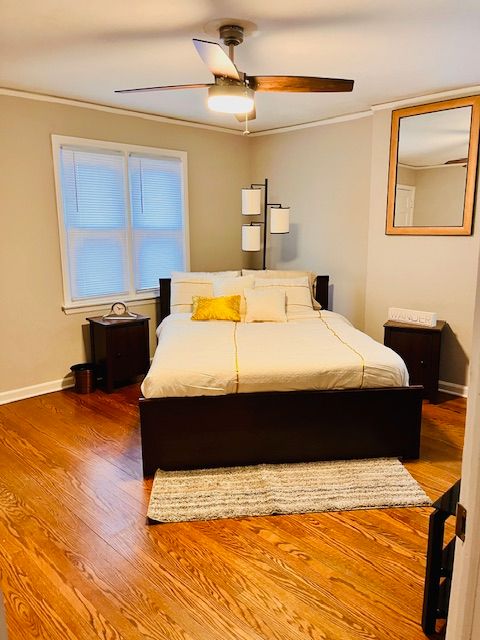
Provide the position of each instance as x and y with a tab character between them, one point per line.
258	273
205	275
187	284
221	308
265	306
297	291
277	273
233	286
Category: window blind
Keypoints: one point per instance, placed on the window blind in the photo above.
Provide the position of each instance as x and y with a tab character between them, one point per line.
123	219
156	196
95	222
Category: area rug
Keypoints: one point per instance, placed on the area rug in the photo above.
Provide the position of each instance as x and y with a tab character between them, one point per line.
267	489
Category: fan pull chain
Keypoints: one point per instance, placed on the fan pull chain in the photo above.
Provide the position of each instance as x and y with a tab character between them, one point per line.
246	132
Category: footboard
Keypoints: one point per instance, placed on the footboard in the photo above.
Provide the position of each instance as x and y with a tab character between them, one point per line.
278	427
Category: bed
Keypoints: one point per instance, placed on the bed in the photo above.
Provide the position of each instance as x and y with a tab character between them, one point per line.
189	421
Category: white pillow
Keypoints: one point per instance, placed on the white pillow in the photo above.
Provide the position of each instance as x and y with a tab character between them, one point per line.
232	287
258	273
265	305
297	291
186	284
278	273
206	275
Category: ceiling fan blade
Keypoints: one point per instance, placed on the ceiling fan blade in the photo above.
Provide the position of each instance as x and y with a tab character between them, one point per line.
172	87
251	115
298	83
216	59
457	161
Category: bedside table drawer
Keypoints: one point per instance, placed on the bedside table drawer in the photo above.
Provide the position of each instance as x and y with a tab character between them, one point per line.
128	351
419	347
415	349
120	349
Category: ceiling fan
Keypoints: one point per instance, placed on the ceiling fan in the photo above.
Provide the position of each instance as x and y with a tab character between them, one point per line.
463	161
234	91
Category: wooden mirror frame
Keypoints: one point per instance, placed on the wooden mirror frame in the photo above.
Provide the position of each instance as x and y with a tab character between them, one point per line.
466	228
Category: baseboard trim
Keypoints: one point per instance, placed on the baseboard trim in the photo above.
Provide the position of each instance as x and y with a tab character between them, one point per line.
35	390
452	388
66	383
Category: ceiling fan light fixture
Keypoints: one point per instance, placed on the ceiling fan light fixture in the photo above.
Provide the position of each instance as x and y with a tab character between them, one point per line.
232	98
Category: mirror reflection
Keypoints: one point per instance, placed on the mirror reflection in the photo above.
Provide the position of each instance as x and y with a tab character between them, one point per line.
432	168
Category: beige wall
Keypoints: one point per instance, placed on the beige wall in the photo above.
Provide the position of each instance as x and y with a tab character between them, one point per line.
418	272
38	341
406	176
334	177
439	196
324	174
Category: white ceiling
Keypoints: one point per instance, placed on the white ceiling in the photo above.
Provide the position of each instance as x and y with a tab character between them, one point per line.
434	138
85	50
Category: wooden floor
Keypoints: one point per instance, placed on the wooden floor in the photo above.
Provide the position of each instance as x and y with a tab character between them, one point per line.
77	560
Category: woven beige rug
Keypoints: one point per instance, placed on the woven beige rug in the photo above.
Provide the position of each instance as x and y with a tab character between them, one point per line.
209	494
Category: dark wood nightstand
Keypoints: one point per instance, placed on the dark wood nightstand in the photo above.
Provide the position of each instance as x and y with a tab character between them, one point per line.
420	349
120	349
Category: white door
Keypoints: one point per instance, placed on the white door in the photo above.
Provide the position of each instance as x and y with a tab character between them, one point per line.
404	203
464	611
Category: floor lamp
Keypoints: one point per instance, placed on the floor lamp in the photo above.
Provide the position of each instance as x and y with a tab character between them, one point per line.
252	206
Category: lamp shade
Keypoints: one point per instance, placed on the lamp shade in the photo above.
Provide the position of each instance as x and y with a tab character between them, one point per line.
251	237
251	202
280	220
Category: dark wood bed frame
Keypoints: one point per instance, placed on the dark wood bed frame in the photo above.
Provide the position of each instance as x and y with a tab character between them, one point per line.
275	427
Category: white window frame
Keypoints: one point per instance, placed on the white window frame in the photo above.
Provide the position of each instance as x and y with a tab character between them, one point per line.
94	303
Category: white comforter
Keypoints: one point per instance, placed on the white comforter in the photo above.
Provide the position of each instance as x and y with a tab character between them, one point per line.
321	350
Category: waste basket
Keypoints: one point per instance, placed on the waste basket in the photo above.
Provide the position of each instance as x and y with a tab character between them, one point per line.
84	377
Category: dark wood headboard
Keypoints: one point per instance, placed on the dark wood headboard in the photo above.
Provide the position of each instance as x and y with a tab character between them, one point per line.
321	291
163	310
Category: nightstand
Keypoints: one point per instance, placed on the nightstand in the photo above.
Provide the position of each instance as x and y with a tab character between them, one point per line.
420	349
120	349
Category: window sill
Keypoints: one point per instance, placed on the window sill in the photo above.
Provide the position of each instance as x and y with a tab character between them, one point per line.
70	309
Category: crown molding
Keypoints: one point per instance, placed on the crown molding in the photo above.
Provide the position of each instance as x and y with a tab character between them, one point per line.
431	97
315	123
428	97
41	97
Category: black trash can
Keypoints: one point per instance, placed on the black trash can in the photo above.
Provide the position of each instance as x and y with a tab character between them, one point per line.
84	377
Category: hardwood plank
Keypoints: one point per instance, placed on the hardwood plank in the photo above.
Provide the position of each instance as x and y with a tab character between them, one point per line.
309	579
78	561
61	546
145	547
236	585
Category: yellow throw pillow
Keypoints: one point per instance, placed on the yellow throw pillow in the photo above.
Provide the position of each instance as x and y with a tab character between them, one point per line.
221	308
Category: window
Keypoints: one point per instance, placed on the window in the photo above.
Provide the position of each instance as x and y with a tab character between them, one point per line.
122	219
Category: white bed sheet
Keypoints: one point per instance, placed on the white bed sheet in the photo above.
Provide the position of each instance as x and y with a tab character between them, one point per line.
317	350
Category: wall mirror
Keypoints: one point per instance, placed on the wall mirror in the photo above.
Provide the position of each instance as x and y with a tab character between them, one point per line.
433	167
